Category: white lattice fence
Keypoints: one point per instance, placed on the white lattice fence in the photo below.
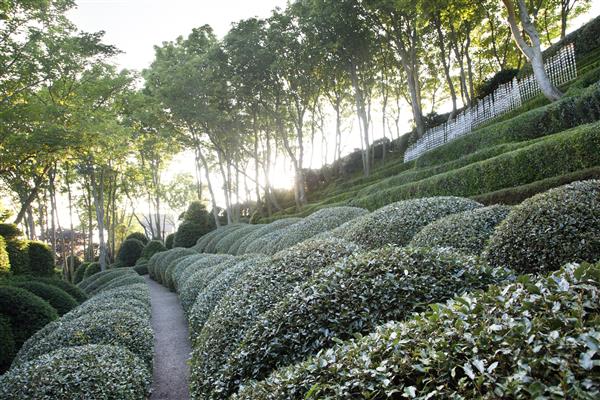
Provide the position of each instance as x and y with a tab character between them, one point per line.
561	68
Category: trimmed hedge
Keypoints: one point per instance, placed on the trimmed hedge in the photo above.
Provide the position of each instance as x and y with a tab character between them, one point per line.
234	249
159	262
74	291
106	278
18	255
60	300
211	295
263	231
205	239
259	290
41	259
169	241
224	245
7	343
466	232
92	283
27	312
349	298
220	234
397	223
138	236
130	251
10	231
536	338
558	226
141	269
175	265
4	259
83	372
80	272
562	153
182	274
91	269
151	248
320	221
188	234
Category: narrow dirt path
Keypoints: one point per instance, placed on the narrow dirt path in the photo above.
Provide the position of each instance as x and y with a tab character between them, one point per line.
171	345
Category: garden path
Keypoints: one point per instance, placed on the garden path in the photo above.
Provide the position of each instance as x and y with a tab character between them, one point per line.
171	345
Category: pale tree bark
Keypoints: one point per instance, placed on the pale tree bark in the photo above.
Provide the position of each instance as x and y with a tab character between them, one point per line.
97	185
532	50
362	116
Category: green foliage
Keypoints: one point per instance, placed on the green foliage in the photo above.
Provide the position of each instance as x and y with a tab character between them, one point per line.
157	266
138	236
104	278
130	251
10	231
7	343
182	270
188	234
27	312
4	259
141	268
397	223
258	291
552	228
80	273
197	213
151	248
481	345
41	259
263	231
217	235
18	255
91	269
488	86
466	232
57	298
226	243
169	241
108	372
73	262
68	287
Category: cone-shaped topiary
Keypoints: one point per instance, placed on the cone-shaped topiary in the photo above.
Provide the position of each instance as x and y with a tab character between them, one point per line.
552	228
130	251
139	236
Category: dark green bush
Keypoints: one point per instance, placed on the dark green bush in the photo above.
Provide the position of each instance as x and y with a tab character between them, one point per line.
188	234
169	241
104	278
197	213
550	229
153	247
41	259
138	236
57	298
18	256
7	344
91	269
10	231
263	231
130	251
4	259
27	312
80	272
68	287
488	86
180	271
226	243
83	372
258	291
141	269
466	232
536	338
349	298
397	223
220	234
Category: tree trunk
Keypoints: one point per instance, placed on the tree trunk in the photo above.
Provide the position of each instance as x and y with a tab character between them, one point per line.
445	64
200	156
98	196
362	116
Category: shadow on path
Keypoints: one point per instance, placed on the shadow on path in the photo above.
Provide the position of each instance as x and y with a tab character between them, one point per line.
171	345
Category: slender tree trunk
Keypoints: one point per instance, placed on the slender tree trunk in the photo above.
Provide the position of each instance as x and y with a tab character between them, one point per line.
362	116
256	163
215	211
71	265
445	64
97	184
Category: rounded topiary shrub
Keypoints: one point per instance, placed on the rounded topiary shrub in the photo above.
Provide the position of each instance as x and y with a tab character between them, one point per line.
130	251
397	223
481	345
58	298
27	312
138	236
4	259
552	228
91	269
220	234
18	255
7	343
41	259
80	272
226	243
350	297
169	241
466	232
68	287
153	247
181	272
142	268
83	372
10	231
188	234
263	231
258	291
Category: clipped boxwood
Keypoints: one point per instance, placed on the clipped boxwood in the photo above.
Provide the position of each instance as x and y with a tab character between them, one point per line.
153	247
138	236
114	327
466	232
352	297
397	223
175	265
18	255
58	298
219	234
4	259
130	251
80	273
211	295
106	278
141	268
169	241
173	255
91	269
263	231
27	312
535	338
258	291
41	259
7	343
183	270
68	287
83	372
226	243
91	283
542	233
188	234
